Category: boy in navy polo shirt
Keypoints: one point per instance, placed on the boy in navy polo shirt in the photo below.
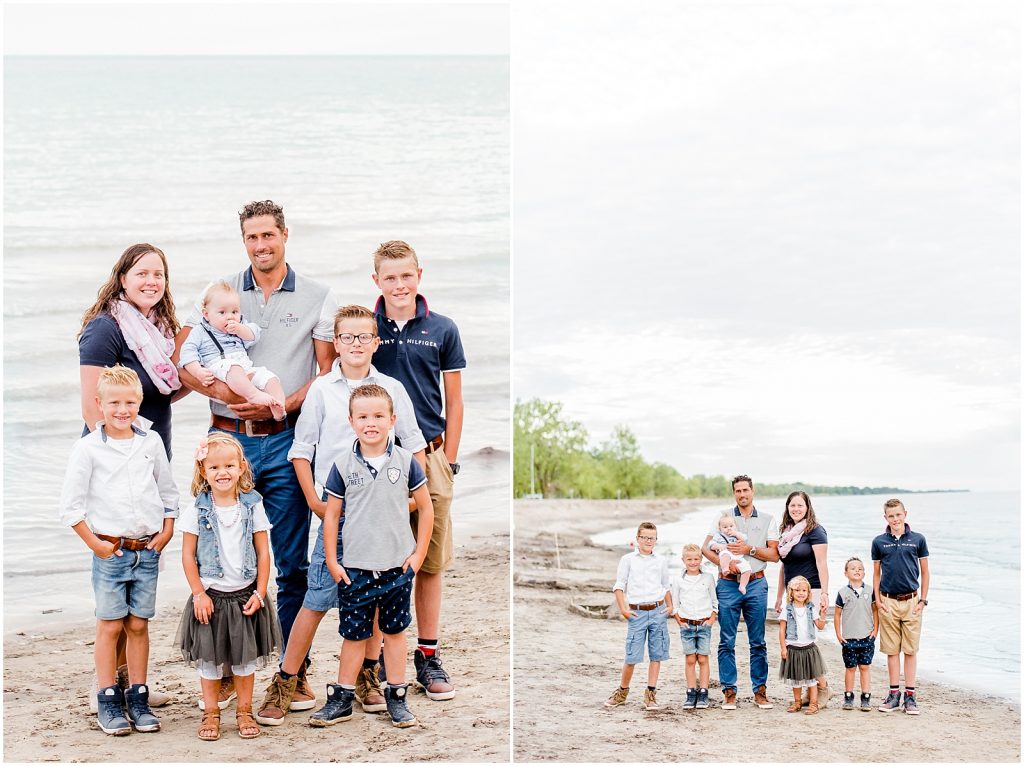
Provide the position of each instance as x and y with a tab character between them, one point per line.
423	350
380	557
901	592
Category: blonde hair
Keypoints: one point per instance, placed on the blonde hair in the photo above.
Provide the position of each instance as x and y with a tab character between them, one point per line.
220	286
726	515
223	441
690	548
798	580
355	312
371	391
893	503
118	375
393	250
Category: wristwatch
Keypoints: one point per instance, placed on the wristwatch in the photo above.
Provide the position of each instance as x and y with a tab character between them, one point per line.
924	601
455	468
753	550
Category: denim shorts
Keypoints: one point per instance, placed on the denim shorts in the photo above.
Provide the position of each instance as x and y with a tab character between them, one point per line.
696	639
125	584
388	591
858	651
321	590
650	628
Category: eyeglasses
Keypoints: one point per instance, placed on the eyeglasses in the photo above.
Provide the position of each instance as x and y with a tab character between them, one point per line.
645	539
347	338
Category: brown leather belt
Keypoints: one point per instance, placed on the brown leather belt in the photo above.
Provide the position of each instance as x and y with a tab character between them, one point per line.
254	427
753	576
435	444
695	622
646	607
128	543
900	596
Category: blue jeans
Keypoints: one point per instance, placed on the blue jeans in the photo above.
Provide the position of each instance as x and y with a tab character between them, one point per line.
287	510
647	628
125	584
754	606
696	639
321	590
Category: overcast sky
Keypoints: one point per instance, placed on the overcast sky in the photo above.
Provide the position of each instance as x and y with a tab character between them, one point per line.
777	238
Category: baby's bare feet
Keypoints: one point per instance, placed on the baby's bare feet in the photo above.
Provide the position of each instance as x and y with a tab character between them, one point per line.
278	410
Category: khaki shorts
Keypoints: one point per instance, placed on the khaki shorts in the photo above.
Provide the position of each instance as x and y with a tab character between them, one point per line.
899	630
441	483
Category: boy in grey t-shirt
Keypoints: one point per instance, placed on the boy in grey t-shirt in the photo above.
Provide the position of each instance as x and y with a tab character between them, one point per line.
379	554
856	624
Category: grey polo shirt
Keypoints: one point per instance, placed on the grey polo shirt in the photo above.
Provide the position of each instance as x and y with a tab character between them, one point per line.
759	529
858	619
299	311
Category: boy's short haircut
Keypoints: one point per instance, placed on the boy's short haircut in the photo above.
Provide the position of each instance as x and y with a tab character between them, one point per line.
392	251
371	391
220	286
646	525
742	477
893	503
850	561
354	312
262	207
118	375
691	548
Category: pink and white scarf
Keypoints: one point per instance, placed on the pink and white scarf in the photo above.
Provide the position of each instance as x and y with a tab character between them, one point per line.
791	537
151	346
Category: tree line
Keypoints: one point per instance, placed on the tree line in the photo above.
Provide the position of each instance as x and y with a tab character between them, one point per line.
564	465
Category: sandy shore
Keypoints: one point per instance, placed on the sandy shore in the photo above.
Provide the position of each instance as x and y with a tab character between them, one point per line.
47	678
567	663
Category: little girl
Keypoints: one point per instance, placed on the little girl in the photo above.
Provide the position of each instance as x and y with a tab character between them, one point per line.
802	663
229	620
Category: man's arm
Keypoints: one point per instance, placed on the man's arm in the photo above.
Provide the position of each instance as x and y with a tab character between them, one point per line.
216	390
325	355
453	412
709	554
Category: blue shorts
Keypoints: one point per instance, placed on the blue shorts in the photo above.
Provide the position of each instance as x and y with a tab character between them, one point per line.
125	584
388	591
858	651
321	590
648	628
696	639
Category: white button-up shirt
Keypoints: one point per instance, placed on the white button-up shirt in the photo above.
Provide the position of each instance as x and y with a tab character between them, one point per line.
119	493
323	429
694	597
644	579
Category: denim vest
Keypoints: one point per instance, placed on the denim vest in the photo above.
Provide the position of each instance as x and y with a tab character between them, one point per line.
791	622
208	552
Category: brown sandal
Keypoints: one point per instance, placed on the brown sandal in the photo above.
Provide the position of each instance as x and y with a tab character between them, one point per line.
811	709
211	722
794	707
247	726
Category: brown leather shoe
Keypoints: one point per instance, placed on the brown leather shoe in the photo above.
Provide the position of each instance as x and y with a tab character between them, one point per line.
277	701
369	692
761	698
729	701
303	699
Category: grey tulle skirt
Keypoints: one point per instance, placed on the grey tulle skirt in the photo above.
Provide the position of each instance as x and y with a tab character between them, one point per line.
230	637
803	665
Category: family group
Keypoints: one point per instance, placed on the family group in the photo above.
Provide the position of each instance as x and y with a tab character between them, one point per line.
352	414
741	544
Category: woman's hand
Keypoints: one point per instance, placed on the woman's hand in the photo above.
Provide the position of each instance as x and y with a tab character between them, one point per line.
202	607
778	605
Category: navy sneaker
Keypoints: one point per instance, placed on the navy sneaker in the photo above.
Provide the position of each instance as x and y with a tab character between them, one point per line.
702	699
110	711
136	699
397	709
910	704
865	702
892	702
691	699
337	708
432	677
848	701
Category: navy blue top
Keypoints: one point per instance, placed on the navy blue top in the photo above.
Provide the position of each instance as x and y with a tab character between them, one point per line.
900	567
800	560
103	345
428	345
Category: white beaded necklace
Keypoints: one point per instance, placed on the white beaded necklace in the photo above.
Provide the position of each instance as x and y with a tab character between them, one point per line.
238	514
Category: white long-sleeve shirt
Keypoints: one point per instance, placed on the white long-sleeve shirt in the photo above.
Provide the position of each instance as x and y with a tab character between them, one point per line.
323	429
119	490
644	579
694	597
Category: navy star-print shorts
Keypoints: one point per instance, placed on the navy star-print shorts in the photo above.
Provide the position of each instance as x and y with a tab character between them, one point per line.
388	591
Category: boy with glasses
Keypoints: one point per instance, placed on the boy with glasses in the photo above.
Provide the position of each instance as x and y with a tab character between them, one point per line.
323	431
642	592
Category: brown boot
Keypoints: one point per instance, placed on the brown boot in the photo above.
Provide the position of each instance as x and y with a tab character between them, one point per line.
761	698
225	695
729	699
277	701
303	699
369	692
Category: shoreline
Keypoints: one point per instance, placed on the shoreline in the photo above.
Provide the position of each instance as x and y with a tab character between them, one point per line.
48	676
561	648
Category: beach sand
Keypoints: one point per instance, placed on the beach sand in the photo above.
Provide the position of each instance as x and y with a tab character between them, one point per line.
566	664
47	677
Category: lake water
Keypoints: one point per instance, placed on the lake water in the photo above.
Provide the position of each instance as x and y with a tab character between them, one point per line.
102	152
971	632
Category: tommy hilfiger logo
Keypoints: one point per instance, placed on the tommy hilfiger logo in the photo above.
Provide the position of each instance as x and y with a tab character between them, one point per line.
288	319
394	474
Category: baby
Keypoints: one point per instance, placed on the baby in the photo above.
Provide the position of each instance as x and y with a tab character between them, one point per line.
727	533
216	350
